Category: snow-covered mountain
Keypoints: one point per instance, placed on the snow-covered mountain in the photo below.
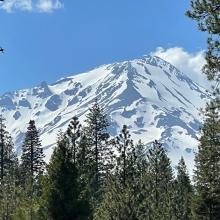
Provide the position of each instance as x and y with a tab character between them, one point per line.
151	96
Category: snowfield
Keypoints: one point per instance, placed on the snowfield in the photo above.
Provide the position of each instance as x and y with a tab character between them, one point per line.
150	95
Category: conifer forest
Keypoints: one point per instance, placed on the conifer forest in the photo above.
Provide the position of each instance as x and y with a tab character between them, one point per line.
93	175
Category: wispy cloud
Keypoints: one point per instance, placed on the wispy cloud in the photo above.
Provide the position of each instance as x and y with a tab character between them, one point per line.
48	5
32	5
189	63
24	5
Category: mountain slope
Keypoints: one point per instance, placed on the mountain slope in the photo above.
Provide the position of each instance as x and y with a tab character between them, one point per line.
150	95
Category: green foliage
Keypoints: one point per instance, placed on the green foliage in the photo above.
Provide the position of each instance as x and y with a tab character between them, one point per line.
206	13
160	182
84	175
134	182
8	158
126	156
121	199
119	202
9	173
61	187
27	203
99	151
207	173
32	158
73	134
182	193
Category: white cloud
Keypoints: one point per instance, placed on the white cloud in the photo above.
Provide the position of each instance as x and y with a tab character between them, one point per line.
23	5
32	5
48	5
189	63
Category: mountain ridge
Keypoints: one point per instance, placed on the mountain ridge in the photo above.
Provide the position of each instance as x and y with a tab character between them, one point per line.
154	98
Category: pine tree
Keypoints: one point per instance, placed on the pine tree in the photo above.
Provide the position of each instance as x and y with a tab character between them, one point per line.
2	143
97	137
27	207
84	175
118	203
141	158
206	13
126	156
83	162
207	173
73	134
31	168
7	198
125	192
32	158
206	203
141	186
160	179
183	193
7	155
62	192
9	173
144	205
121	198
110	206
8	185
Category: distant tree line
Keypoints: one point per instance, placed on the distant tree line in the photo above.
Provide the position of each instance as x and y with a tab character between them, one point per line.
94	176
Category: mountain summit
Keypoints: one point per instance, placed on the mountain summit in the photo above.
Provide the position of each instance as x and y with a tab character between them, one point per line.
151	96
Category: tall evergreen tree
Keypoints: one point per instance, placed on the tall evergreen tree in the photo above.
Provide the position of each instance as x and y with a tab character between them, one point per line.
8	192
206	13
7	155
206	203
62	188
83	162
126	155
144	206
84	175
160	178
183	192
119	202
32	158
9	173
97	137
121	198
141	184
2	143
9	183
31	168
141	158
8	198
207	173
73	134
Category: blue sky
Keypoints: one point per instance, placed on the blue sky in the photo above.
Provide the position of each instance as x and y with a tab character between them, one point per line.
60	38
